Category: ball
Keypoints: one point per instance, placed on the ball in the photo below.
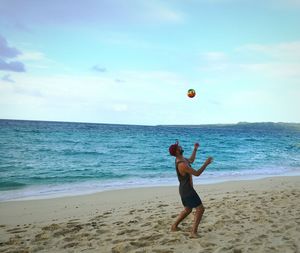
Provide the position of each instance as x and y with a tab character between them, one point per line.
191	93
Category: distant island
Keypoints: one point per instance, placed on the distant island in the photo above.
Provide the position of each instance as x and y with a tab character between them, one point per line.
243	124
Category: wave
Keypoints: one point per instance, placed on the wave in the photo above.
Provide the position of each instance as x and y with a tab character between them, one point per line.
78	177
294	146
11	185
74	152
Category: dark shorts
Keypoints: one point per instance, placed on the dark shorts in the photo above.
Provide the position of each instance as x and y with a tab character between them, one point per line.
191	201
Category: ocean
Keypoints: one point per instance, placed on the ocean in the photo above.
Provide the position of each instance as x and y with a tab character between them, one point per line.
41	159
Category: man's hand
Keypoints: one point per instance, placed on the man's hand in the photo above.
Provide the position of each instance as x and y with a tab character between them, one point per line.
196	146
208	161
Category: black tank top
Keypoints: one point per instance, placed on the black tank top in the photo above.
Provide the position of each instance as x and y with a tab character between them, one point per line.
185	187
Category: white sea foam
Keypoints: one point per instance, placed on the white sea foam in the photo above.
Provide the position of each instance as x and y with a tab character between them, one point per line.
90	187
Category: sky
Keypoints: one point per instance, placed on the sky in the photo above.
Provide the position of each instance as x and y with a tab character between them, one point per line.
132	61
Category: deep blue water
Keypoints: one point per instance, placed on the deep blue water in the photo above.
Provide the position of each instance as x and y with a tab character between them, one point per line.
42	159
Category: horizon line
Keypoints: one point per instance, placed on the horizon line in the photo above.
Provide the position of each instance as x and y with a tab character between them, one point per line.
154	125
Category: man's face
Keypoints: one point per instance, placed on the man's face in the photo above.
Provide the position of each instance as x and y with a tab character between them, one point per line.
180	150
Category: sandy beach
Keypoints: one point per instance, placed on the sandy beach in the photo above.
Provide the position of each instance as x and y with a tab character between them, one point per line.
240	216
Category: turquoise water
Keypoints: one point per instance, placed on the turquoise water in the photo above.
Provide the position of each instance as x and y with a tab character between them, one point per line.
49	159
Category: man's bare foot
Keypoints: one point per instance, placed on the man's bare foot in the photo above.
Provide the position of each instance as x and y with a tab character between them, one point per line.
194	235
175	228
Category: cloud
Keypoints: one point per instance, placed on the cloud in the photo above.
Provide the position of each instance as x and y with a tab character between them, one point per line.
6	54
38	60
6	78
94	98
273	70
99	69
32	12
98	98
161	12
290	4
28	92
272	3
14	66
289	51
21	27
101	89
123	39
6	51
214	56
119	80
31	56
273	60
120	107
269	60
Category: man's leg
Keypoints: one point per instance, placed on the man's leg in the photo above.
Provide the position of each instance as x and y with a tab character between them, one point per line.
198	215
181	217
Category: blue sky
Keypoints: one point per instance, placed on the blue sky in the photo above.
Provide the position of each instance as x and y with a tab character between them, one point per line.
132	62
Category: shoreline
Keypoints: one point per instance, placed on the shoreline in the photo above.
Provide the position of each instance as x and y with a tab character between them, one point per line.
88	191
241	216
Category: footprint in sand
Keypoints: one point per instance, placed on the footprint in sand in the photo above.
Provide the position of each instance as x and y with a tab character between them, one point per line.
26	225
118	223
106	213
121	232
152	237
132	231
41	237
132	222
101	231
102	225
140	244
122	247
52	227
162	205
74	220
169	241
68	239
16	230
146	224
70	245
162	251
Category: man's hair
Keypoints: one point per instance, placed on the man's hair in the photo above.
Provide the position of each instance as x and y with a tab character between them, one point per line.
173	149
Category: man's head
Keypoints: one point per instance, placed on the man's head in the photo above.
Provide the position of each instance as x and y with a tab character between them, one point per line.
175	149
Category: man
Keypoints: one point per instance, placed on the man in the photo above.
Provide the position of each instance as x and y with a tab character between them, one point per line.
189	196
